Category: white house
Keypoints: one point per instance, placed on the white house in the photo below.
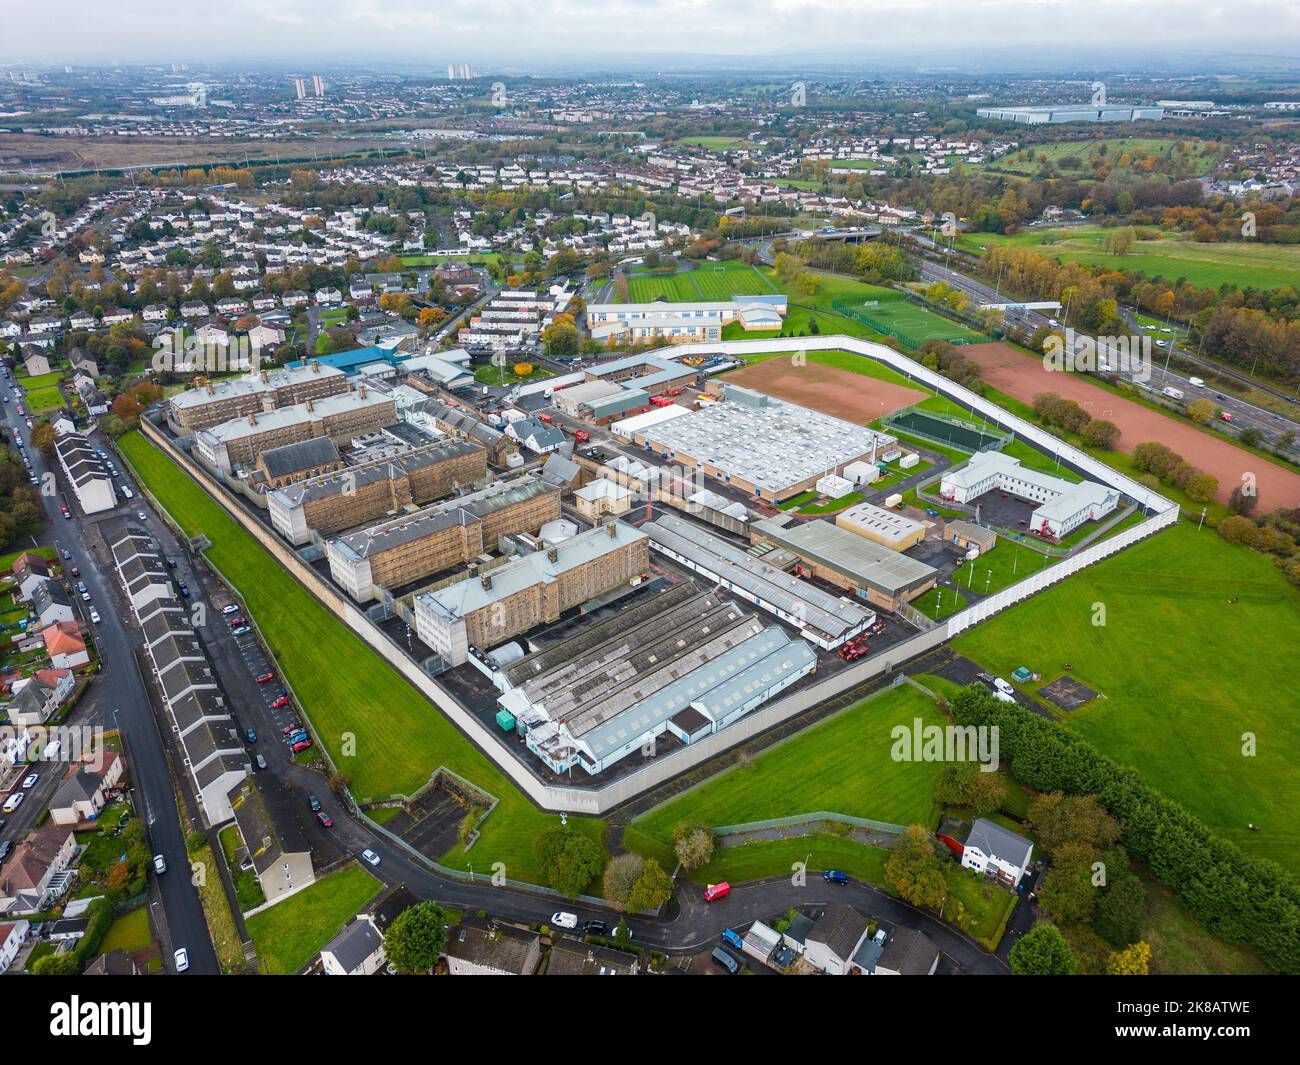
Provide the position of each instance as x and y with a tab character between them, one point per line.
997	852
834	939
13	934
356	951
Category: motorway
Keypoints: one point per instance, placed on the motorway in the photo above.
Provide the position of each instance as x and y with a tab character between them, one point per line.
117	698
1244	415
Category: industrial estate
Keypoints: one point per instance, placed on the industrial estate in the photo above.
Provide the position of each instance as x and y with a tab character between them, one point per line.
565	525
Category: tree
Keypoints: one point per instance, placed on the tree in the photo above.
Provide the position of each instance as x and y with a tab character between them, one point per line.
653	888
620	878
693	845
1239	501
1062	819
1131	961
1201	487
1120	913
43	438
415	939
569	860
1100	433
964	784
58	965
1068	894
560	337
915	871
1043	952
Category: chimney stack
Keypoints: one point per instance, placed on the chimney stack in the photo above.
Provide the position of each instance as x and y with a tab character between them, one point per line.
211	391
252	417
487	582
552	554
310	408
265	380
613	532
315	365
361	392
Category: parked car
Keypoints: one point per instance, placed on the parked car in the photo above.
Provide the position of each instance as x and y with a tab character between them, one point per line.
369	857
66	512
880	937
314	803
324	819
29	781
713	892
301	745
5	848
230	608
13	802
159	864
726	960
261	762
835	876
282	701
594	928
142	515
564	920
732	939
265	678
250	735
182	957
75	571
243	630
94	615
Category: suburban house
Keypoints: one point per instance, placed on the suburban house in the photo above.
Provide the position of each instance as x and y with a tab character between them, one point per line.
278	850
64	645
572	957
29	571
38	871
50	604
537	436
834	939
13	934
35	362
996	852
909	952
41	696
359	949
82	796
478	948
114	963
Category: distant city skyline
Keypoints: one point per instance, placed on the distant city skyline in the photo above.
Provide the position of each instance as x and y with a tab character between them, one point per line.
539	34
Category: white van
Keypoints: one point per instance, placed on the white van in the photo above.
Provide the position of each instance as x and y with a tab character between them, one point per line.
1196	381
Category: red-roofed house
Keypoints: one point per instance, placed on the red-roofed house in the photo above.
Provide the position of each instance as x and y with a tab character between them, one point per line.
64	645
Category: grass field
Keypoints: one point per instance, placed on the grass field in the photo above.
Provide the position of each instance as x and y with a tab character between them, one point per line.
401	738
1199	154
648	287
891	309
289	934
1183	673
129	932
768	858
841	765
710	281
1172	256
714	144
939	602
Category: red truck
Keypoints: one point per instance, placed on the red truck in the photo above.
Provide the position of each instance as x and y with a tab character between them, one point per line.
581	436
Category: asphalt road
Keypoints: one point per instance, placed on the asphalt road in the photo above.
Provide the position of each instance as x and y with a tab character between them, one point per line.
119	694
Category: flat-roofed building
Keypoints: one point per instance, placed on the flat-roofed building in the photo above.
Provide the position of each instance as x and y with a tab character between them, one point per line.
761	445
386	486
219	401
822	618
486	610
886	527
683	662
407	548
868	571
239	443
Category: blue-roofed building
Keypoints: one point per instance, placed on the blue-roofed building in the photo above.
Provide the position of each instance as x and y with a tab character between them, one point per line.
351	362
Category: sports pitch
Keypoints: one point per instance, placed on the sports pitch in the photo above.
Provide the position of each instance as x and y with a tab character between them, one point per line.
891	312
710	282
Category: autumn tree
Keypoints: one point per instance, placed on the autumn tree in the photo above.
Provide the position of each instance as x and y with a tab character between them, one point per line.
915	870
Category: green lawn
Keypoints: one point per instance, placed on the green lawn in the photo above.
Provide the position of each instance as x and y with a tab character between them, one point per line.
768	858
44	400
1198	154
347	689
939	602
289	934
978	908
842	765
1006	564
1184	675
129	932
1244	264
708	281
714	144
45	380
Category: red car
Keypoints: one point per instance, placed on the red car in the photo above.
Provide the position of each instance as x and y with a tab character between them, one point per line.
289	729
582	436
546	418
716	891
264	678
325	819
282	701
237	622
301	745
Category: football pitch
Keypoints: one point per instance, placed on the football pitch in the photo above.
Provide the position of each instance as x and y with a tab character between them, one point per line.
890	311
710	282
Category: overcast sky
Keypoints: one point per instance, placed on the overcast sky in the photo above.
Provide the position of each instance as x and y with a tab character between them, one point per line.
538	33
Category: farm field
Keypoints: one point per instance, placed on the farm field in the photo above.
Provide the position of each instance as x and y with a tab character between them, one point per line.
841	765
346	687
1183	674
289	934
1172	256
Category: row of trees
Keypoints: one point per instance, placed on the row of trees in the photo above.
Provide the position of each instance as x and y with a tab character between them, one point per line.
1163	465
1236	897
1056	413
